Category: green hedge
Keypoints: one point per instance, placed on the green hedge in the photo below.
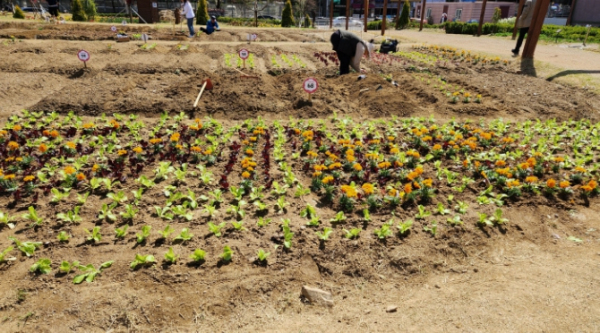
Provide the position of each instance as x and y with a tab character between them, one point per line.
238	21
548	31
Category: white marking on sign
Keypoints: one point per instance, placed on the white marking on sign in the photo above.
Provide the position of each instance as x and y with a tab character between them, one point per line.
253	36
113	29
310	85
83	55
244	54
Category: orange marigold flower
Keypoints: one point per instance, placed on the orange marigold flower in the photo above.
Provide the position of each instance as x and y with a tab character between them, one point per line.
551	183
532	162
465	163
593	184
559	159
80	177
428	182
357	167
54	133
138	150
349	191
407	188
207	152
398	164
368	188
564	184
319	167
253	138
412	175
69	170
28	178
297	131
12	145
350	152
580	169
419	170
531	179
249	152
416	185
392	192
513	183
42	148
71	145
486	136
115	124
17	128
327	180
374	142
122	152
587	188
175	137
246	174
88	125
500	163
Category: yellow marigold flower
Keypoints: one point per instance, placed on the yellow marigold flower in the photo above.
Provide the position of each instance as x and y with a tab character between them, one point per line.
374	142
368	188
319	167
9	177
398	164
327	180
253	138
122	152
12	145
80	177
249	152
419	170
246	174
391	138
524	165
349	191
245	142
350	158
71	145
513	183
433	127
308	133
69	170
357	167
559	159
427	138
564	184
115	124
531	179
551	183
28	178
500	163
42	148
19	159
155	141
9	159
175	137
311	153
371	156
207	152
249	169
95	167
580	169
317	173
394	150
358	143
456	93
392	192
88	125
384	165
334	166
486	136
3	133
437	147
138	150
467	95
349	152
178	146
428	182
479	95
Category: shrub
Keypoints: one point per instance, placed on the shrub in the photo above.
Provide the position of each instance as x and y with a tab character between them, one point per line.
202	13
18	13
497	15
77	10
402	22
287	18
90	9
307	23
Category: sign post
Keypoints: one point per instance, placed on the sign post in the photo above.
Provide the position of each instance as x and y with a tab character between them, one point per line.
84	56
310	85
113	29
244	54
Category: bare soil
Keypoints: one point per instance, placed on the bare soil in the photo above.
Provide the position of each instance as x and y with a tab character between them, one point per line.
526	277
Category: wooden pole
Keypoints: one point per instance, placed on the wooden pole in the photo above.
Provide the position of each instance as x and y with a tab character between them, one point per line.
573	3
200	94
331	14
519	12
481	17
398	10
366	14
423	13
385	2
539	14
347	13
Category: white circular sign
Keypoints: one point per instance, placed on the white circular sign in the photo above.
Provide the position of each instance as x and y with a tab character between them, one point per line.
113	29
310	85
244	54
83	55
253	36
123	22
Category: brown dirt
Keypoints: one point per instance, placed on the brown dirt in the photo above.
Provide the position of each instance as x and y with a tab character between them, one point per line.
526	277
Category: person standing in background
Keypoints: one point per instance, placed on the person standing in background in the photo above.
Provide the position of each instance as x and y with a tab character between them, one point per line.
188	12
523	24
53	8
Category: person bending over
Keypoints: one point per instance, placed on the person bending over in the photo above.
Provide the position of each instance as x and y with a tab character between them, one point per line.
211	26
349	49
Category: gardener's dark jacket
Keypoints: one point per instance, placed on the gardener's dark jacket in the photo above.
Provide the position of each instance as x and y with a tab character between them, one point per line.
344	42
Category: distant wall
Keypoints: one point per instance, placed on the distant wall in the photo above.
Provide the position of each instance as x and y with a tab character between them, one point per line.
587	12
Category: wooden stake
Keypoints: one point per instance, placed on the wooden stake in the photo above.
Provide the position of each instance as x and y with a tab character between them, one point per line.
519	12
366	12
423	13
200	94
347	13
481	17
539	14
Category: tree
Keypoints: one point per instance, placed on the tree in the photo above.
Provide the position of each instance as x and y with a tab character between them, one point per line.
307	21
90	9
287	18
497	15
18	13
77	10
202	13
403	19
